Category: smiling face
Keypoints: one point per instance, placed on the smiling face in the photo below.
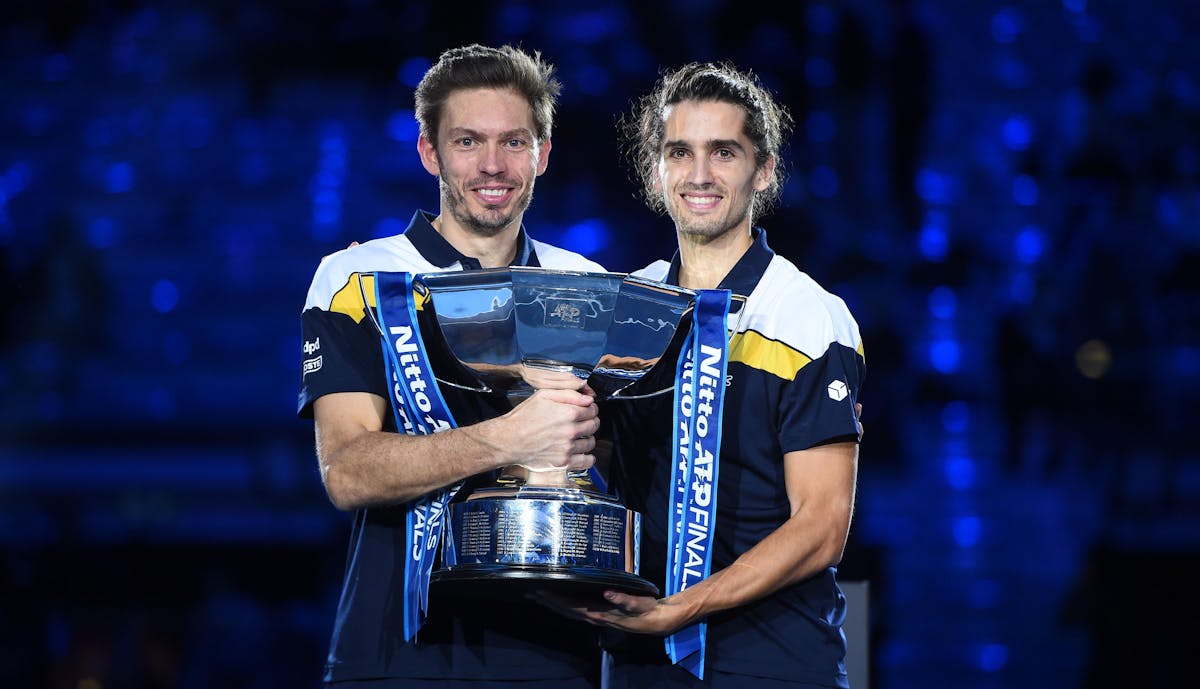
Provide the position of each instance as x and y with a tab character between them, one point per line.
486	160
707	173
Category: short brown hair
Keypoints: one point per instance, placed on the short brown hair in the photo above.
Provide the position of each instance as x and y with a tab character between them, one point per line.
477	66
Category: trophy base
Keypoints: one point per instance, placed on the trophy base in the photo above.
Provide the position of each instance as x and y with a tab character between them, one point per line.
526	538
483	580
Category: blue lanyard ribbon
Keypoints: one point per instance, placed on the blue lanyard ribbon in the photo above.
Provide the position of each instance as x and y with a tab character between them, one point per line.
419	409
699	397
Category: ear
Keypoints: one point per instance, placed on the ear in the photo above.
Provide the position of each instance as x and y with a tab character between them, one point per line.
764	175
543	156
429	156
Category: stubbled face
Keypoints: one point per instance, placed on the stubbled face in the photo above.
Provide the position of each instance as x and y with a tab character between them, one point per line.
707	173
486	160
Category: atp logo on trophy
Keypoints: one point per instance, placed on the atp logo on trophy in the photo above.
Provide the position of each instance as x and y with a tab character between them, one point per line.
564	314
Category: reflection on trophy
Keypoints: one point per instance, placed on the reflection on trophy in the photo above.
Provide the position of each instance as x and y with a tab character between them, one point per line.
501	333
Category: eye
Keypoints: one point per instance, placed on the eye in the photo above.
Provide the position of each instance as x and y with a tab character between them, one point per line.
465	141
677	153
516	144
723	154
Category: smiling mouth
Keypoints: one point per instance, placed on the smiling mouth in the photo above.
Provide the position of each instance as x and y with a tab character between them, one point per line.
700	201
491	196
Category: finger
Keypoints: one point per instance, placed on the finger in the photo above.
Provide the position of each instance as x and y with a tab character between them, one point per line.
630	605
584	445
587	427
581	462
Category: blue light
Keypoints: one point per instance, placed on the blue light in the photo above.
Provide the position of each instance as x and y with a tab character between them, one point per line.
993	657
1167	210
587	236
1029	244
945	355
515	19
55	67
253	169
960	472
934	242
592	80
1017	133
176	347
50	406
328	180
1006	25
1025	190
37	120
162	403
1180	85
101	232
1186	361
1023	288
164	296
819	72
590	27
967	531
932	186
1075	6
1087	28
984	593
402	127
15	179
388	227
119	178
1011	72
943	303
327	215
823	182
820	127
820	18
197	126
1185	161
956	417
412	70
98	133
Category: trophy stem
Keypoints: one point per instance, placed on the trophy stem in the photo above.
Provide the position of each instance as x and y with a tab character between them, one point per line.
550	478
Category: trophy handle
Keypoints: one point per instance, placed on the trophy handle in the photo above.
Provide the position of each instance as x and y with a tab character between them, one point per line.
479	388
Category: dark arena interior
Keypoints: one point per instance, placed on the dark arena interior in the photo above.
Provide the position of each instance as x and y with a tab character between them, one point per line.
1005	193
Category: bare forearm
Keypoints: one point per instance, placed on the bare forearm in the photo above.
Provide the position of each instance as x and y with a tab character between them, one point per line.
379	468
795	551
363	466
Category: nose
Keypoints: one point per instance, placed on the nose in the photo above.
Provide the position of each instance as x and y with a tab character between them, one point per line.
700	172
492	160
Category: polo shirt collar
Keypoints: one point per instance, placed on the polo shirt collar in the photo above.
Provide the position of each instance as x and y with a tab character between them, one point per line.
744	275
435	249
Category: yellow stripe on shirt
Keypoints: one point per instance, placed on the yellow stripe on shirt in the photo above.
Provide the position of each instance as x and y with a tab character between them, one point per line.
772	356
349	299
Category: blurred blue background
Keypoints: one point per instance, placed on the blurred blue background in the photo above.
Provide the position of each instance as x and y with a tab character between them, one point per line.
1007	195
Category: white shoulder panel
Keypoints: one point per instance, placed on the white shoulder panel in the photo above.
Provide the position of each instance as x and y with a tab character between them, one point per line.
395	253
789	307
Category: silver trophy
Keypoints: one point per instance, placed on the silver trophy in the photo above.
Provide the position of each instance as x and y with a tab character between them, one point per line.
492	336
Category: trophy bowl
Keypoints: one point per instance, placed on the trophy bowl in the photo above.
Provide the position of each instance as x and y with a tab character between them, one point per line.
497	333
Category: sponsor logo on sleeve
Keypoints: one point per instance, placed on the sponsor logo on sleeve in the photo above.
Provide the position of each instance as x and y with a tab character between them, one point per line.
311	365
838	391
